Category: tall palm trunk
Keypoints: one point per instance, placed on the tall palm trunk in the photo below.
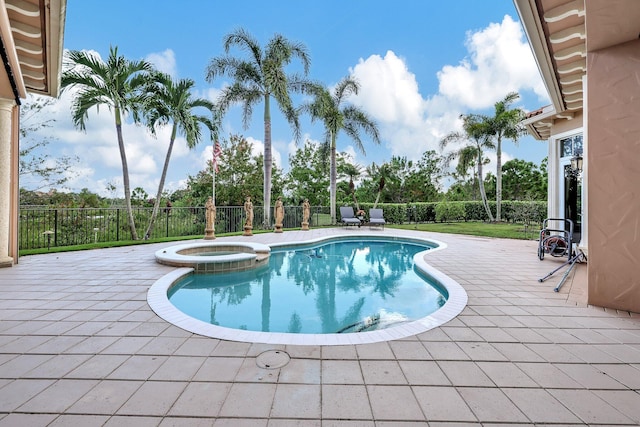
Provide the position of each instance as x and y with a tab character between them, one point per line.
267	163
125	175
498	178
483	194
156	205
381	183
333	177
375	204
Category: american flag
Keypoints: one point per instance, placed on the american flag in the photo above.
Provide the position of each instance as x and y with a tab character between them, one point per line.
217	151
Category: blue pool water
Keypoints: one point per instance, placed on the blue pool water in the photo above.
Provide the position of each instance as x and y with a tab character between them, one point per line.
335	287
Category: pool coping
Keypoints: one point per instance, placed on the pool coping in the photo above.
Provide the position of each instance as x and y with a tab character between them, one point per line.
159	302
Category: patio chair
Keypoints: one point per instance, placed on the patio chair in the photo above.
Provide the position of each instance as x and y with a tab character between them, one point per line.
376	217
348	217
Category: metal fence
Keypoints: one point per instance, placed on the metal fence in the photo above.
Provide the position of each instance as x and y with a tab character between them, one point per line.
46	227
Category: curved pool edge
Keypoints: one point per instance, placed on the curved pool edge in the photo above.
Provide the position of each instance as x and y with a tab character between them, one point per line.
157	298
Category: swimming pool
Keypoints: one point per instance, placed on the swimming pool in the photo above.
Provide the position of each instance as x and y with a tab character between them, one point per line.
343	286
379	287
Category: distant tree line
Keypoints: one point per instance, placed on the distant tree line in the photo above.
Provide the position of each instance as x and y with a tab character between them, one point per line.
405	181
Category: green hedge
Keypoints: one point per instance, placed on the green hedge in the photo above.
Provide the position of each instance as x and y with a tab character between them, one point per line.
512	211
450	211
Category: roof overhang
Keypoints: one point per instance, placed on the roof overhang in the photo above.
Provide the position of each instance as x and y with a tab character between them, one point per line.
32	34
557	33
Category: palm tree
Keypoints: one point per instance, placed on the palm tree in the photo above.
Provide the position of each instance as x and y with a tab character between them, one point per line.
172	102
116	84
328	108
467	159
352	171
258	79
382	173
506	123
476	133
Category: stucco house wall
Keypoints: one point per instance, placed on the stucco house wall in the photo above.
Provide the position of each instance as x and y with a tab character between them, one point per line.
613	179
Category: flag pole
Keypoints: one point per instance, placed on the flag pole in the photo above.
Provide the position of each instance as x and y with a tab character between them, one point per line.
213	170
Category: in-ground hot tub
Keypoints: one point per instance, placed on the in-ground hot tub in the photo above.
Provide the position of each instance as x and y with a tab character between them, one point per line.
215	257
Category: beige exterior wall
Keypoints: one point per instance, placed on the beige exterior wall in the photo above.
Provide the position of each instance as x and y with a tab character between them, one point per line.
565	126
613	180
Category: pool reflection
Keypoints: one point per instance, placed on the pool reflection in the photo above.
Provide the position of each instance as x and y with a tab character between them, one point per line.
329	288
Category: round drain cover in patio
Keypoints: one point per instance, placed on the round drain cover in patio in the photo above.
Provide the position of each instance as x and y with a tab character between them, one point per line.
272	359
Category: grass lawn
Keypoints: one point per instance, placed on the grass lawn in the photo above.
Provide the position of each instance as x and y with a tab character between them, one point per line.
501	230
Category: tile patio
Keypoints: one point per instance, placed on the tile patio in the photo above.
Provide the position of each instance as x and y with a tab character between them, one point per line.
79	346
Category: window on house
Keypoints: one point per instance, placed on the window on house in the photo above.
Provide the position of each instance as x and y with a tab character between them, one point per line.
571	146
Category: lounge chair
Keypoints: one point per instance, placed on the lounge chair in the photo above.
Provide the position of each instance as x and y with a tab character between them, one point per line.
376	217
348	217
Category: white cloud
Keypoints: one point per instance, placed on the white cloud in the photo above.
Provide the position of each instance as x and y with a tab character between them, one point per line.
164	61
500	61
410	123
388	89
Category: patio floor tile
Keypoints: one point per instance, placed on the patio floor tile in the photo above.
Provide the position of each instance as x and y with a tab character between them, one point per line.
258	404
341	372
58	366
345	402
84	348
31	420
59	396
506	374
491	405
382	372
465	374
423	373
590	377
301	371
296	401
137	368
105	398
625	401
443	404
16	393
589	407
548	375
539	406
201	400
153	398
394	403
178	368
218	369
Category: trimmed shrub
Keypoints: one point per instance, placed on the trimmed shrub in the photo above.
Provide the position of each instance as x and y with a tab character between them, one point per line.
450	211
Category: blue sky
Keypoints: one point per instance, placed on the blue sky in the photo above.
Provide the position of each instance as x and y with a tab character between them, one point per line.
420	65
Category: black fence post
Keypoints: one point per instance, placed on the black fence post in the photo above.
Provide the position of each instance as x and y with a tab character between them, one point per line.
55	228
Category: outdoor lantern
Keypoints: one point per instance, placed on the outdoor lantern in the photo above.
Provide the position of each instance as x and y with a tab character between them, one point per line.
574	169
576	163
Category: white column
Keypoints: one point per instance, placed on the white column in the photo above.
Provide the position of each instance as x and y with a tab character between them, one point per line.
553	174
6	108
584	242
